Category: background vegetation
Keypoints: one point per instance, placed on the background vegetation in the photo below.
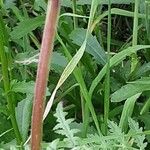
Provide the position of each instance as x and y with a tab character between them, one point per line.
99	71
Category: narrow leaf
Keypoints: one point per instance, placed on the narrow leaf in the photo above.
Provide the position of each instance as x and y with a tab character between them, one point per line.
127	111
130	89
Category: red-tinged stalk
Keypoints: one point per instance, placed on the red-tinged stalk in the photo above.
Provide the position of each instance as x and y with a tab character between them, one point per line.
42	72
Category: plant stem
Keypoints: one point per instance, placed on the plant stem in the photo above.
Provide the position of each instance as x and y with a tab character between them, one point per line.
107	78
147	7
85	109
74	11
134	60
6	81
42	72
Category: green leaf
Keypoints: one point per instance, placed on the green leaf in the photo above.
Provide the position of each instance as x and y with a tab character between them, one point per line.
5	126
145	68
139	139
53	145
146	107
127	111
23	115
59	62
26	26
24	87
114	129
68	3
71	66
131	89
39	4
3	110
115	60
92	47
9	3
63	127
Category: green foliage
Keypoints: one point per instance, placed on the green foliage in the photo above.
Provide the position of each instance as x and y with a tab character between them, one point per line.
127	111
131	89
92	47
24	87
63	125
22	29
80	74
139	139
115	139
24	118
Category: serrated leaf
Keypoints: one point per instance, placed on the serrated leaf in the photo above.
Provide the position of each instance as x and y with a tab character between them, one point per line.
139	139
93	47
63	127
39	4
53	145
131	89
26	26
23	115
114	129
9	3
24	87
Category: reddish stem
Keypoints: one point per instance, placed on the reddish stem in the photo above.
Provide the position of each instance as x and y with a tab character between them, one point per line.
42	73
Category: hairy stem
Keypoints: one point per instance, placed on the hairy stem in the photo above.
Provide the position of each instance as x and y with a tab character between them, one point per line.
42	72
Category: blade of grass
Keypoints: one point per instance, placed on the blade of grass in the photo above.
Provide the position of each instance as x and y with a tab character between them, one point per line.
147	7
134	58
5	132
58	99
71	66
107	78
85	110
85	105
116	59
78	75
127	111
74	5
146	107
116	11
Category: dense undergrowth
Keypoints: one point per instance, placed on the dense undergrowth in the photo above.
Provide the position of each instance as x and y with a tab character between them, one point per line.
99	70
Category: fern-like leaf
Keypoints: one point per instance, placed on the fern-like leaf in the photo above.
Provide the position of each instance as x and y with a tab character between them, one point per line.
139	139
53	145
63	127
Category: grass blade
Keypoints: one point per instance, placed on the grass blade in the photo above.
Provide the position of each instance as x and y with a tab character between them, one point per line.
127	111
116	59
71	66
